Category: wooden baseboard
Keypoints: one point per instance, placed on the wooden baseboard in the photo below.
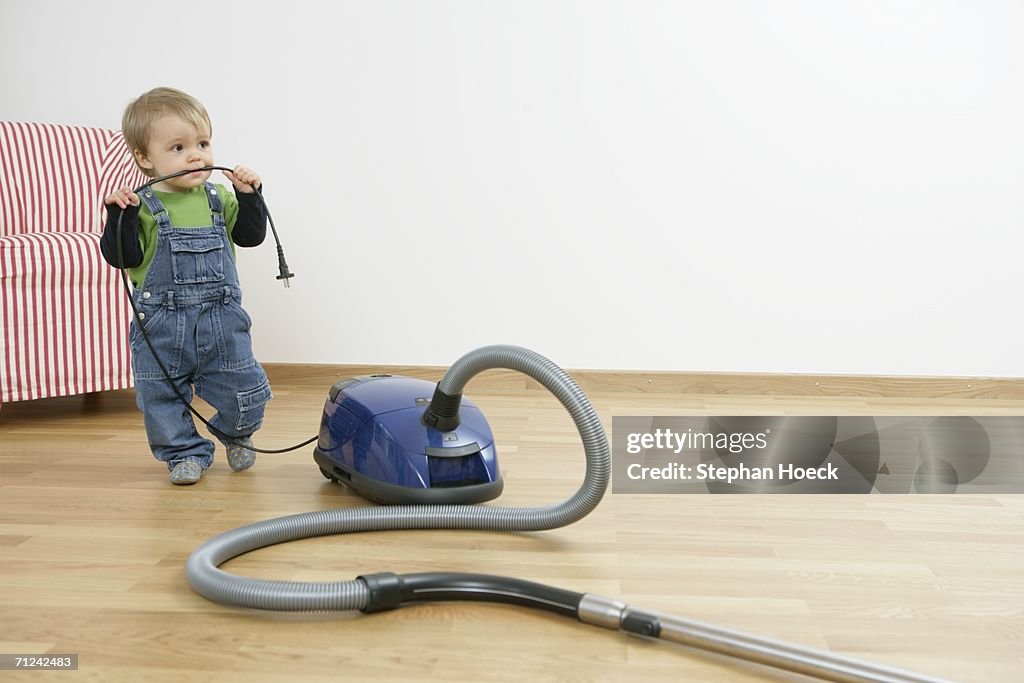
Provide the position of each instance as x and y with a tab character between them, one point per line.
739	384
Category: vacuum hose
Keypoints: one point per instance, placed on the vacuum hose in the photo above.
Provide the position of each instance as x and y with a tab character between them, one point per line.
383	591
220	586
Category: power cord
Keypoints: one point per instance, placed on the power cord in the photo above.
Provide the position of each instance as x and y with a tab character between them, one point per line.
285	274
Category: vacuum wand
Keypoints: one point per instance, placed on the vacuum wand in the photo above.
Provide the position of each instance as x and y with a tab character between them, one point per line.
388	591
613	614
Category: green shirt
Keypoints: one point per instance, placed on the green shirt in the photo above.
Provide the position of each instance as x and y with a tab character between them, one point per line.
188	209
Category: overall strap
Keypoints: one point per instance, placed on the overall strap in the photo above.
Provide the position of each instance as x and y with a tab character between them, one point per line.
156	207
216	205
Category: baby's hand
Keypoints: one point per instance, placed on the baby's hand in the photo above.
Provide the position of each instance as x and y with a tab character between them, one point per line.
243	179
123	197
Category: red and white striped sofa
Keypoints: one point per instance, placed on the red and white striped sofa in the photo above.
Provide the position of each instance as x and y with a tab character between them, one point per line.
64	312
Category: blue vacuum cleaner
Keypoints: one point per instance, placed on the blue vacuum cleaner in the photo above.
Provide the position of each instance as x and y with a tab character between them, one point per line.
373	439
407	442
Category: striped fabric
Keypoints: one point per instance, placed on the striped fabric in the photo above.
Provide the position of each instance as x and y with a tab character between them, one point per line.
64	313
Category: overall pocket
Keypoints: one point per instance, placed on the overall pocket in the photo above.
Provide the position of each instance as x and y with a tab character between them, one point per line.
197	259
152	317
251	405
163	328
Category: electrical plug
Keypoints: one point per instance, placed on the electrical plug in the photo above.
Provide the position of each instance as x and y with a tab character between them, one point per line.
282	268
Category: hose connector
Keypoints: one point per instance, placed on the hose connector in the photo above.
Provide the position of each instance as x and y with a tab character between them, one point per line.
443	412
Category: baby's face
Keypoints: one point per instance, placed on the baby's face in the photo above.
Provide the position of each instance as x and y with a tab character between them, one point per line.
175	145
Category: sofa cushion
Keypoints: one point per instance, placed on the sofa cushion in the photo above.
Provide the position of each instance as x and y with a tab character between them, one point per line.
64	317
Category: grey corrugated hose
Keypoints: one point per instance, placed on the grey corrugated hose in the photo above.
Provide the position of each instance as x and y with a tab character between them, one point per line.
208	580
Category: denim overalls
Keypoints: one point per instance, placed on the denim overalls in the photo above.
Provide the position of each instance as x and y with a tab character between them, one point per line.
191	307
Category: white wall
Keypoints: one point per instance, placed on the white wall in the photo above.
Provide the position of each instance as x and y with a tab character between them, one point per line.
784	186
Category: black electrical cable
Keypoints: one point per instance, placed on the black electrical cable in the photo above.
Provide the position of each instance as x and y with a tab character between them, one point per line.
285	275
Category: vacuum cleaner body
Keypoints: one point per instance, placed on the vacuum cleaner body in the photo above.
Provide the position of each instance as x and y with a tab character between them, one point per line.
373	440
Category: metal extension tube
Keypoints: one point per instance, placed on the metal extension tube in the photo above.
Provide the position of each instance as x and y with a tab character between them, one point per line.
613	614
385	591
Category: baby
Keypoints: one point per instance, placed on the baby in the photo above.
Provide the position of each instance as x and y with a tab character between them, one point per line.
178	241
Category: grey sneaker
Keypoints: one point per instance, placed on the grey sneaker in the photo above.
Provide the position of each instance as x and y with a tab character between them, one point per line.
239	456
186	472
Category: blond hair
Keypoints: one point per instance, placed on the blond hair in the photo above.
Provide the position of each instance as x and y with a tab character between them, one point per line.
141	113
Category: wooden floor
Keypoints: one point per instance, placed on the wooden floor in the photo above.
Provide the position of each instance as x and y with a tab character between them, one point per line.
93	541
